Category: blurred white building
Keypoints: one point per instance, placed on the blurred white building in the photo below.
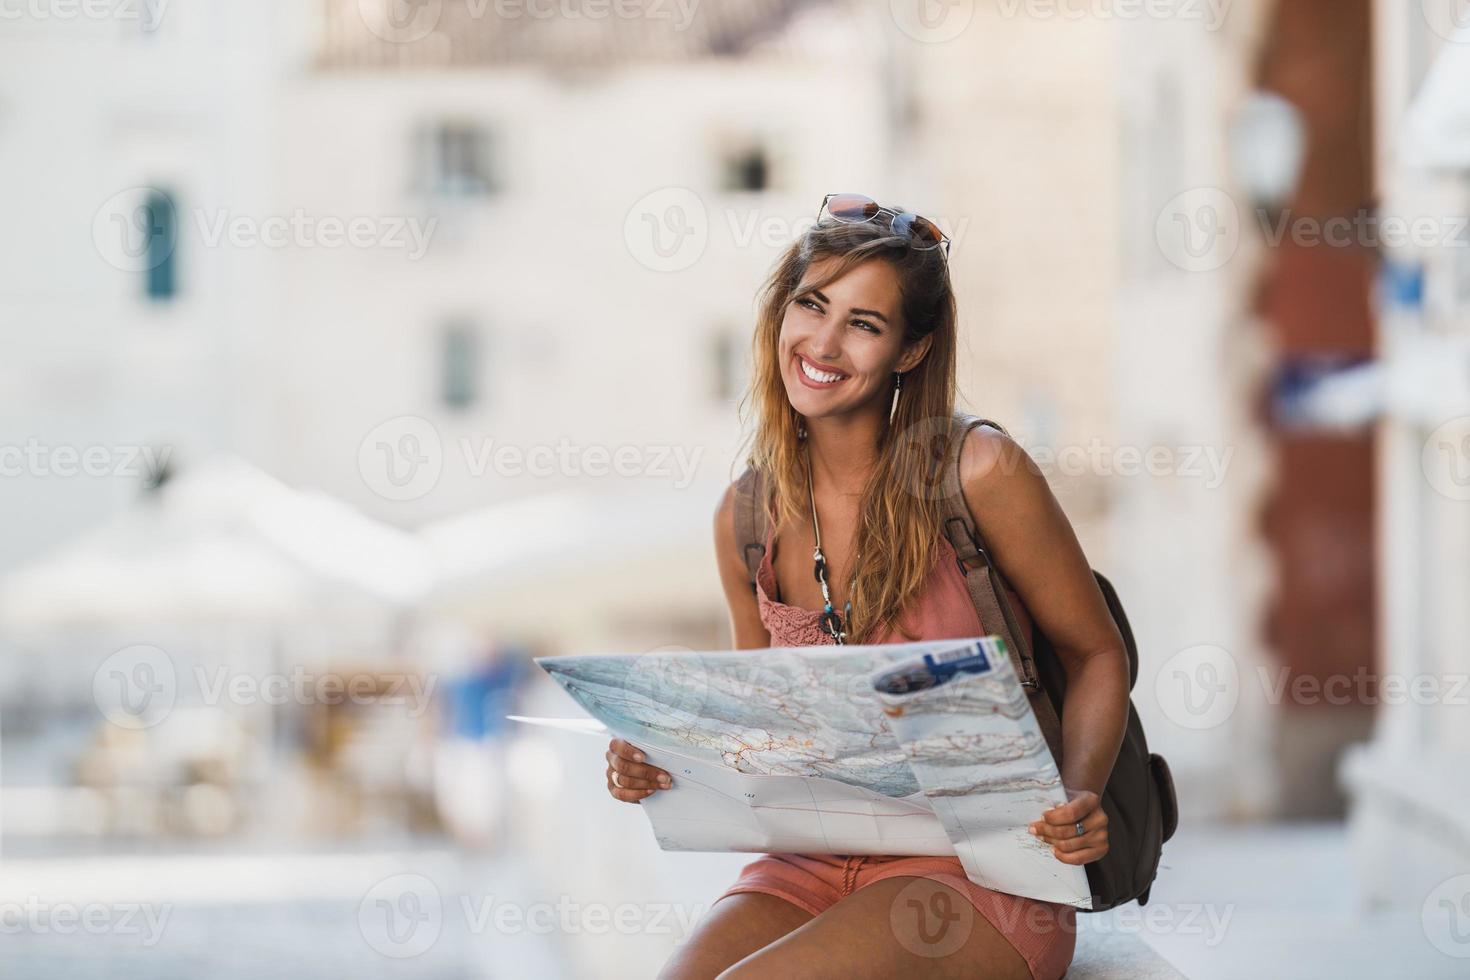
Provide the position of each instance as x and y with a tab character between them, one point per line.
605	195
1065	146
126	330
1408	785
411	261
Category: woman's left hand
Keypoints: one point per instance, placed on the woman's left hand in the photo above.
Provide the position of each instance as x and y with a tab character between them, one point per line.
1058	827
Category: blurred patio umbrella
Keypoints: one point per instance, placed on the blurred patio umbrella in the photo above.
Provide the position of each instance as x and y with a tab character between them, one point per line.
557	566
223	541
541	537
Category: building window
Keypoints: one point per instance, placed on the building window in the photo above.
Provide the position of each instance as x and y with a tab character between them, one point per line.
455	160
160	226
727	368
745	169
460	365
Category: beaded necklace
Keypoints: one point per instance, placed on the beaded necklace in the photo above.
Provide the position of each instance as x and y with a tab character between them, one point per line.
834	624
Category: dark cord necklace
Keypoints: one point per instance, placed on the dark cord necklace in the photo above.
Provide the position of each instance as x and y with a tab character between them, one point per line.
834	624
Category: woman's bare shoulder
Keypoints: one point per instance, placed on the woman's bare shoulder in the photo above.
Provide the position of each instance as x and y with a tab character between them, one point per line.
991	462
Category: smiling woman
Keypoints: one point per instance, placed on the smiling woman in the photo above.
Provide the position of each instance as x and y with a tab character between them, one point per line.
853	315
854	369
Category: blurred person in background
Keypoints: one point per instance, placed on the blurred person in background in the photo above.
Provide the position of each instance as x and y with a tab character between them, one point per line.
470	782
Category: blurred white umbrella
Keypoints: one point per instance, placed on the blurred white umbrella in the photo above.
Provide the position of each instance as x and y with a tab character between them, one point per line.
104	578
544	537
582	567
220	542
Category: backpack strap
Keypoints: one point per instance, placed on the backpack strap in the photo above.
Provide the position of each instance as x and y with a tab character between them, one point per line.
986	584
751	522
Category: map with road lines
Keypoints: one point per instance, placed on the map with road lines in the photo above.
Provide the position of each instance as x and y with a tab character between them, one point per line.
927	748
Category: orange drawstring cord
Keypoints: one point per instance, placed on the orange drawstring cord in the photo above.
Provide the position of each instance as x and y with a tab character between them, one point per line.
849	874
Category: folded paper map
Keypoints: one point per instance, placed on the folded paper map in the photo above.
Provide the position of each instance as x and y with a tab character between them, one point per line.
926	748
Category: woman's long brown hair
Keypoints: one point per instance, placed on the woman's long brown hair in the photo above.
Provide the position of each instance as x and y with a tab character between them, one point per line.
897	537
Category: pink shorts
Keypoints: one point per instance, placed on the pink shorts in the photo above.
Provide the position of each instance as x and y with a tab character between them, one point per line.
1044	933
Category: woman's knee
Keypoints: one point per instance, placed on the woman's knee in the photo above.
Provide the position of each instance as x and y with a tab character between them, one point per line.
737	926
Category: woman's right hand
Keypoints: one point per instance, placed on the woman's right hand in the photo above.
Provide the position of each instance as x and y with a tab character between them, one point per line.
630	779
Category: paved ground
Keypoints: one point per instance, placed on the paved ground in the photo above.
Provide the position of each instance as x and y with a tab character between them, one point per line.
1265	902
1291	906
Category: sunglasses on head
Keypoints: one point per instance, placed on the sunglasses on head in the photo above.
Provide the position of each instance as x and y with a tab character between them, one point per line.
857	208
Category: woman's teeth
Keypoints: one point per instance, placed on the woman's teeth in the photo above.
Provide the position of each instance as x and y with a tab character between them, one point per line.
820	376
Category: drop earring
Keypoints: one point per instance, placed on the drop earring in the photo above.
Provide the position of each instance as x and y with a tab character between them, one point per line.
801	430
897	387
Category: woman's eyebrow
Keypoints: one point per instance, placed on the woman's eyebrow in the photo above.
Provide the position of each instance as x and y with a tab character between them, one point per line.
855	310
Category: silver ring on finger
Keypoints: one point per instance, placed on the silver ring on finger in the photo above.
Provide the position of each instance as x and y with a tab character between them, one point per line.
615	779
1080	829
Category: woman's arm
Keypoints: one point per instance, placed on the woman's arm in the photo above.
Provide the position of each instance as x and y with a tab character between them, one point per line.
1035	548
746	628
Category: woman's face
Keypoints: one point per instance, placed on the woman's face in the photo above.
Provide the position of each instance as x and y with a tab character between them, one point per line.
840	345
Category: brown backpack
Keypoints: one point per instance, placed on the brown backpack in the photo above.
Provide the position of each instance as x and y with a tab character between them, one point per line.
1139	798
